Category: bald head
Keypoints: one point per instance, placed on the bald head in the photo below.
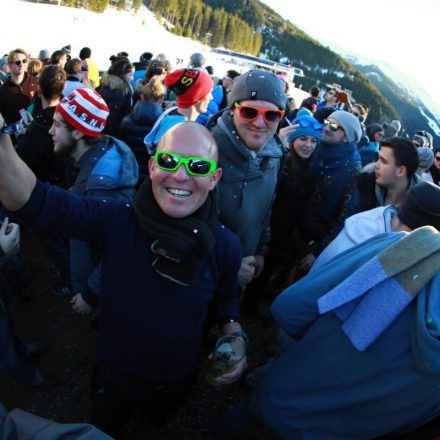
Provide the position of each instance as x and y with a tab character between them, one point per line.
190	134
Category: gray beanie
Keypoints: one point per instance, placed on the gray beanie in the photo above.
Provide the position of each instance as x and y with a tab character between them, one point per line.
392	129
421	206
258	85
349	123
44	55
426	157
197	59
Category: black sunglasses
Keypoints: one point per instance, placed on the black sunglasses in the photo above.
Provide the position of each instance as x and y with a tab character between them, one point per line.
20	62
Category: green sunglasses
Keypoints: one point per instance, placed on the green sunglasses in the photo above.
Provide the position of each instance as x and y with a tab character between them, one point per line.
195	166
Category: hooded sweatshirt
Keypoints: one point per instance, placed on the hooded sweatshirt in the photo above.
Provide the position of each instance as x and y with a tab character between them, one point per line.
357	229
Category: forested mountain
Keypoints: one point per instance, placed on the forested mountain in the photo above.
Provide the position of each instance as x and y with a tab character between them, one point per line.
250	26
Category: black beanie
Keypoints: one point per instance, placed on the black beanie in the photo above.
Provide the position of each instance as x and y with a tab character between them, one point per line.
421	206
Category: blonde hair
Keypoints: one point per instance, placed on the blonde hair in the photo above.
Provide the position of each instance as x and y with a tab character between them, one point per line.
35	66
154	90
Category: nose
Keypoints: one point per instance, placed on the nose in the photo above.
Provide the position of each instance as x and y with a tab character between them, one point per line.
259	121
181	174
51	130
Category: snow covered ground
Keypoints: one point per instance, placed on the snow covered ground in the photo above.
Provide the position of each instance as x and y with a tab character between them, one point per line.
34	26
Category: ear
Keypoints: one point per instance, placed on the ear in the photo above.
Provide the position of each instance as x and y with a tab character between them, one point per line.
151	165
401	171
215	178
77	135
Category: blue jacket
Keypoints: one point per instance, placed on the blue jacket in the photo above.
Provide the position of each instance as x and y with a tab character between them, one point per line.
321	387
213	106
369	153
108	169
149	327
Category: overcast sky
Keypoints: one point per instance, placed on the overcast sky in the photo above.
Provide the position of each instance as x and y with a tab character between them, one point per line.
402	33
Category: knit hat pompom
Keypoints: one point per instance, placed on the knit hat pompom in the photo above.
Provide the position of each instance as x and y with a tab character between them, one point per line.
421	206
350	125
308	126
189	85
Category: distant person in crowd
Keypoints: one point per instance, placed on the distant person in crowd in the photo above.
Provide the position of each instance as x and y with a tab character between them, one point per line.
44	57
4	69
58	58
251	155
435	168
14	354
35	66
116	90
370	152
155	68
213	106
140	66
106	168
426	160
74	76
420	207
360	343
92	69
360	111
392	129
197	60
311	103
393	175
423	138
141	120
35	146
193	89
227	83
332	197
67	50
294	190
19	89
330	99
165	259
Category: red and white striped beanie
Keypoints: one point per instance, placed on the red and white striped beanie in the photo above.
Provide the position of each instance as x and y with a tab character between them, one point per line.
85	110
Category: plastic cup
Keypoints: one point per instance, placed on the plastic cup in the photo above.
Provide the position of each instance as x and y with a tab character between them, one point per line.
228	352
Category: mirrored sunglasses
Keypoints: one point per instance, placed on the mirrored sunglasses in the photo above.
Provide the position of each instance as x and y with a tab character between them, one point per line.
332	125
195	166
251	113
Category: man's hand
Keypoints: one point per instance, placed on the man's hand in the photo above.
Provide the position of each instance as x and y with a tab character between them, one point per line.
259	265
307	262
247	270
79	305
25	125
233	375
284	133
10	238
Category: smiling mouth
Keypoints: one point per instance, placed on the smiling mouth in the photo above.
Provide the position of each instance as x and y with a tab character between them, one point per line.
181	193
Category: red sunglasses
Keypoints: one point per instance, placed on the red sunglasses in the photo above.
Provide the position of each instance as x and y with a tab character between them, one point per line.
251	113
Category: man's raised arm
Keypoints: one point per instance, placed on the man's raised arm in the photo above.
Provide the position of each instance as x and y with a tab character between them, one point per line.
16	180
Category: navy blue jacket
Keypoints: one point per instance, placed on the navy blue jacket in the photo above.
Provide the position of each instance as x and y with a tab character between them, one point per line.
150	327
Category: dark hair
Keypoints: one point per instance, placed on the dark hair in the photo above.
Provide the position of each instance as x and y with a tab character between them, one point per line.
232	74
51	82
73	66
121	67
84	53
405	154
56	56
314	91
210	70
156	67
146	56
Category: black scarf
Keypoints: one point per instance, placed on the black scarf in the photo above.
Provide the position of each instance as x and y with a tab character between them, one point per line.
182	244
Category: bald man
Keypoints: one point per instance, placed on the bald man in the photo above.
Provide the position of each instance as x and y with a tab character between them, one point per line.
165	258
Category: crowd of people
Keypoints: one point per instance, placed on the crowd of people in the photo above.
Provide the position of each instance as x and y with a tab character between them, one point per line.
172	201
